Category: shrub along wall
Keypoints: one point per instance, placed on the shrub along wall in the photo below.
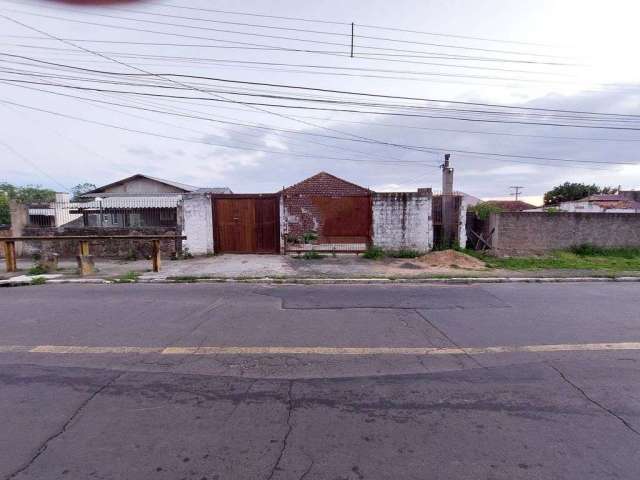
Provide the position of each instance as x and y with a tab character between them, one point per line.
522	233
99	248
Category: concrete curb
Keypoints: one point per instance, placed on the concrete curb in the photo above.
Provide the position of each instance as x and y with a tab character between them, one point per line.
334	281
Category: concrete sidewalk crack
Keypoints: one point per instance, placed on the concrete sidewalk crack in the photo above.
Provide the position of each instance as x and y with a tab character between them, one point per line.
285	440
594	402
43	447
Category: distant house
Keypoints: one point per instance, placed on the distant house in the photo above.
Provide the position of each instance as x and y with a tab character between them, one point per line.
133	202
607	203
136	201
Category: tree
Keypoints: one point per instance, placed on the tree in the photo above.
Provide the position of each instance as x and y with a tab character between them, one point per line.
82	188
26	194
573	191
5	214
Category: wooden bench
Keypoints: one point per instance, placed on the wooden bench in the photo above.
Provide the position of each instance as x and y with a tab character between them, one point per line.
86	267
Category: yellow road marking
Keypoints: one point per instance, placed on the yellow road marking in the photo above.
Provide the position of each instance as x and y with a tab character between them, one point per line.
280	350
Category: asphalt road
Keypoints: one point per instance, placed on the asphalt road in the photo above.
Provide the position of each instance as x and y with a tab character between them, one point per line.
505	381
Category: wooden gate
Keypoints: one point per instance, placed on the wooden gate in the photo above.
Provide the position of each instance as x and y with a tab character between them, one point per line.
246	223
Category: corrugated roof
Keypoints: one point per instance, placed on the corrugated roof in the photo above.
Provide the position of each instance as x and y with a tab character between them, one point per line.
181	186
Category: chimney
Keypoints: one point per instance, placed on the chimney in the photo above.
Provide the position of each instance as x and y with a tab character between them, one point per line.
447	176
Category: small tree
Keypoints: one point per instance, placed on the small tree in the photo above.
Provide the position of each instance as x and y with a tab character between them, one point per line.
484	209
5	214
573	191
82	188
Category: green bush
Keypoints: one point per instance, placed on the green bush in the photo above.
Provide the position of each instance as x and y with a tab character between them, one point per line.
309	237
403	253
484	209
374	253
36	270
312	255
38	281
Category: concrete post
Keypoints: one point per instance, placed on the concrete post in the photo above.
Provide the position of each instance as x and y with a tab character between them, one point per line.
447	202
19	220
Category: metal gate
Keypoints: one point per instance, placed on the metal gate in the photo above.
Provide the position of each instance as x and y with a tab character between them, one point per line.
344	219
246	223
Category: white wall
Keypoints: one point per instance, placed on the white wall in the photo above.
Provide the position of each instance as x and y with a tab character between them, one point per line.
402	221
197	223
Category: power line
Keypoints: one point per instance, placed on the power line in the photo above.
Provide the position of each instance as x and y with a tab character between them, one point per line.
343	110
299	19
326	90
281	37
442	149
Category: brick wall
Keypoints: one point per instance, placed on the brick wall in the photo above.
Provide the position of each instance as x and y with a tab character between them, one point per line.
403	220
300	210
99	248
197	223
521	233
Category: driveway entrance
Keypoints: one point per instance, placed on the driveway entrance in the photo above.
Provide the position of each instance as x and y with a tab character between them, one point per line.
246	223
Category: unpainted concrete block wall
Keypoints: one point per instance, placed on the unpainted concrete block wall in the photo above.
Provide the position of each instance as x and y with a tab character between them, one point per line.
522	233
402	221
197	223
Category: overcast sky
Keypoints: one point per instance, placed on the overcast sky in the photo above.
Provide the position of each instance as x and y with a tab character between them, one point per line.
568	55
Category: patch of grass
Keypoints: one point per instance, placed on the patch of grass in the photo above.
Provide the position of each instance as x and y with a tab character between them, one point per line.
581	257
403	253
374	253
38	281
36	270
129	277
312	255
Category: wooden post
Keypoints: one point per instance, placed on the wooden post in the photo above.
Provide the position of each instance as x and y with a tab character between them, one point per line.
86	265
84	248
10	256
155	256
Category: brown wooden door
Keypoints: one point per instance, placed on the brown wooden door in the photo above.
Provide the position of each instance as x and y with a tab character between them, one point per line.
246	225
267	225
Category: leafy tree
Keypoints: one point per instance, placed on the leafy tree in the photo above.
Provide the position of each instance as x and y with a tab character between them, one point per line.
5	215
26	194
484	209
82	188
573	191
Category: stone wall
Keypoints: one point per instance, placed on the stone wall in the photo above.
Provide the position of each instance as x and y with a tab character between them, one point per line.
403	220
522	233
114	248
197	223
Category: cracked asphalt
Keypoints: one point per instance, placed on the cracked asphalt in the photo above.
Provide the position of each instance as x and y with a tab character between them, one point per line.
147	415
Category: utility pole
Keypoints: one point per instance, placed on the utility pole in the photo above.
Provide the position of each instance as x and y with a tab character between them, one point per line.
447	201
352	28
516	191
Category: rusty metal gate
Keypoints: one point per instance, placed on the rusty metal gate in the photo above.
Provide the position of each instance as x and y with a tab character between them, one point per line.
246	223
345	220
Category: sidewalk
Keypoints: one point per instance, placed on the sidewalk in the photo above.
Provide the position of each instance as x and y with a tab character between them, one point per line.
341	268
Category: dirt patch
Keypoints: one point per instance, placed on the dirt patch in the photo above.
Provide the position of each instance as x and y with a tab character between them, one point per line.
451	259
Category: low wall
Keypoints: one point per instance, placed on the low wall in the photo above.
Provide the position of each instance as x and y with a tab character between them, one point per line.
197	223
402	221
99	248
521	233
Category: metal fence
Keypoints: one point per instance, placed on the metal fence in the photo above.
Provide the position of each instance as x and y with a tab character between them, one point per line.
110	212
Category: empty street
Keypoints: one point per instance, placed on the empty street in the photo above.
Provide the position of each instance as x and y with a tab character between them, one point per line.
213	381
